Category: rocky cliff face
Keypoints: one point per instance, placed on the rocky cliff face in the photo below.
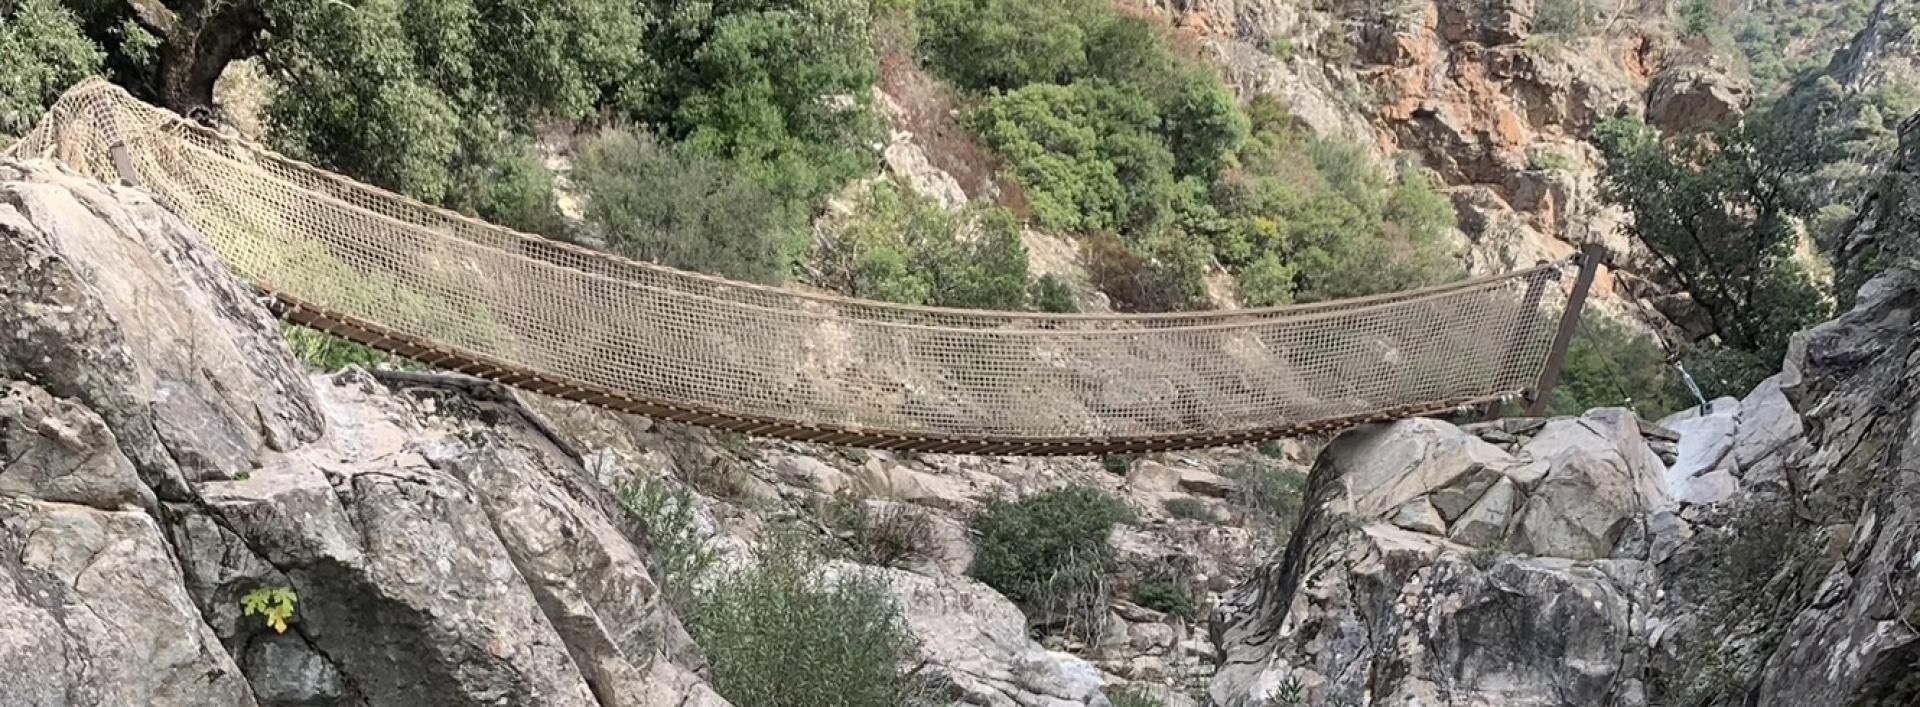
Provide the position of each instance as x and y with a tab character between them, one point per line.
1760	553
164	456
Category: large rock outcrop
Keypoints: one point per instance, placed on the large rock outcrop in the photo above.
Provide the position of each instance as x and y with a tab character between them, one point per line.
1435	567
162	456
1759	553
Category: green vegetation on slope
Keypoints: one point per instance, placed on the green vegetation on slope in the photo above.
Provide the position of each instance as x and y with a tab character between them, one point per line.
42	52
1048	552
781	631
1113	133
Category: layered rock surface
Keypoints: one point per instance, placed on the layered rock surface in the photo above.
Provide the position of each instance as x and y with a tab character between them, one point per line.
165	456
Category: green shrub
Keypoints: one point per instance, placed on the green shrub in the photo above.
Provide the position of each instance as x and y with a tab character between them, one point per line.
1550	161
682	209
1073	150
1049	553
42	53
781	87
778	634
886	534
1188	508
903	247
327	352
1007	44
1573	18
674	542
1734	256
1051	294
1133	696
1169	597
1609	364
1269	489
1118	464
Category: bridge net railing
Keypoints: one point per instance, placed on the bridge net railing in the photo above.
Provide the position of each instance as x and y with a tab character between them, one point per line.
787	359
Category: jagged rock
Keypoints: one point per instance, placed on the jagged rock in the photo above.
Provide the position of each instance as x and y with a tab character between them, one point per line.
1386	616
1487	22
93	612
1767	421
1484	524
1383	467
112	301
1603	476
976	639
1706	446
1150	475
811	473
1691	97
56	450
1419	516
1207	483
453	557
1457	496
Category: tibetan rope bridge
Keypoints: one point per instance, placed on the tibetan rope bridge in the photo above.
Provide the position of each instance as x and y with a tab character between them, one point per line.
553	318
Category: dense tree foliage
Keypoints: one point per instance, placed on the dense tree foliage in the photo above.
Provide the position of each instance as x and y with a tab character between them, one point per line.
782	86
42	52
1719	210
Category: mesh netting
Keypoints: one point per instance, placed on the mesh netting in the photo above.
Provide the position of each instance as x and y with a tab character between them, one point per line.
453	291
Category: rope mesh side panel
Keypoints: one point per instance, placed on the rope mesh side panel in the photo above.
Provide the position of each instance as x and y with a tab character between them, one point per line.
556	318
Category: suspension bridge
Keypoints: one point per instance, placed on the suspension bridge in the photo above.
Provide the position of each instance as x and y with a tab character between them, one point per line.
554	318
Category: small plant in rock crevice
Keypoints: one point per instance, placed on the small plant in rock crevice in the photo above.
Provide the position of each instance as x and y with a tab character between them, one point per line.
1133	696
274	605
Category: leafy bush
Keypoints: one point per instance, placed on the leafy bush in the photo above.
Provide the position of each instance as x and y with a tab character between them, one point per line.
1133	696
781	87
903	247
778	634
1609	364
885	534
1049	552
327	352
1051	294
1169	597
42	53
1118	464
1084	154
674	540
1735	256
1007	44
680	208
1550	161
1268	489
1188	508
1573	18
